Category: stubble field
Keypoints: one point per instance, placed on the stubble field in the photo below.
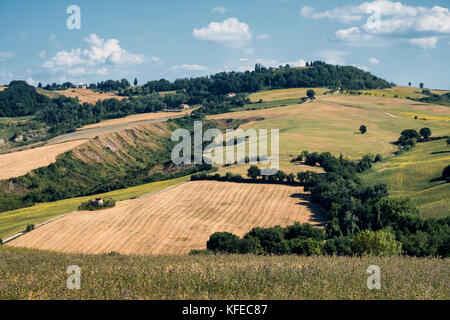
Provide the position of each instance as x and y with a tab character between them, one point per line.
175	221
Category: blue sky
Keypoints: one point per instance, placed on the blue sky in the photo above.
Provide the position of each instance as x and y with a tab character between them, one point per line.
399	41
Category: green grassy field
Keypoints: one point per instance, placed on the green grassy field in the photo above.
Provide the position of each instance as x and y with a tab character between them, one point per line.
29	274
331	124
401	92
270	104
415	174
14	221
284	94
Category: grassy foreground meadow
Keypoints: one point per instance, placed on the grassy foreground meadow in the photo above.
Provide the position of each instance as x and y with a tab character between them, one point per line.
29	274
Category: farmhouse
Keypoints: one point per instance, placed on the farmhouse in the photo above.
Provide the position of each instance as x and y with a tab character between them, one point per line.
80	86
97	202
231	95
184	106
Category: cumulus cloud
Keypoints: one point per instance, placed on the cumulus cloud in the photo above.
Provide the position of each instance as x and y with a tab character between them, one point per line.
383	20
219	9
5	55
230	32
188	67
93	60
344	14
373	61
424	43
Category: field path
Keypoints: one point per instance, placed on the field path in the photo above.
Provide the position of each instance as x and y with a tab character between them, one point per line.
175	221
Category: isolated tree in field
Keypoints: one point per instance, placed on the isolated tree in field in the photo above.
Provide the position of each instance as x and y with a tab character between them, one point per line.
40	85
446	173
253	172
311	94
135	81
363	129
409	84
425	133
421	85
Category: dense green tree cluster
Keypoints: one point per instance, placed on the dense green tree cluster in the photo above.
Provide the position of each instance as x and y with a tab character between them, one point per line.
362	219
320	75
20	99
442	99
55	86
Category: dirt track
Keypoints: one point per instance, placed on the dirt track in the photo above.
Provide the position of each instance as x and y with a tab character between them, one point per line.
175	221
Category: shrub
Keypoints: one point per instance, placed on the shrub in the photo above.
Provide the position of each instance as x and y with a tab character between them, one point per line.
446	173
425	133
30	227
378	158
363	129
223	242
341	246
253	172
379	243
304	231
306	247
91	206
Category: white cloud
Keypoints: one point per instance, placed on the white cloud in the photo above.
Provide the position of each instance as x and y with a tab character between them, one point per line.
243	59
189	67
42	54
373	61
6	55
332	56
155	59
424	43
364	68
298	63
31	82
230	32
344	14
92	60
219	9
395	21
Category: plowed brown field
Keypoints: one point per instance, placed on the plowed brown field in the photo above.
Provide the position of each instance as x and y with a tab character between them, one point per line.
175	221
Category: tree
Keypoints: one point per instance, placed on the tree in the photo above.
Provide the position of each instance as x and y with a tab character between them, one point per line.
135	82
40	85
281	176
253	172
448	141
446	173
379	243
311	94
421	85
409	84
363	129
425	133
223	242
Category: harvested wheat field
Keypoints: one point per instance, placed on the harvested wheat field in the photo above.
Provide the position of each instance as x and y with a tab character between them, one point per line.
175	221
89	96
17	164
137	118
